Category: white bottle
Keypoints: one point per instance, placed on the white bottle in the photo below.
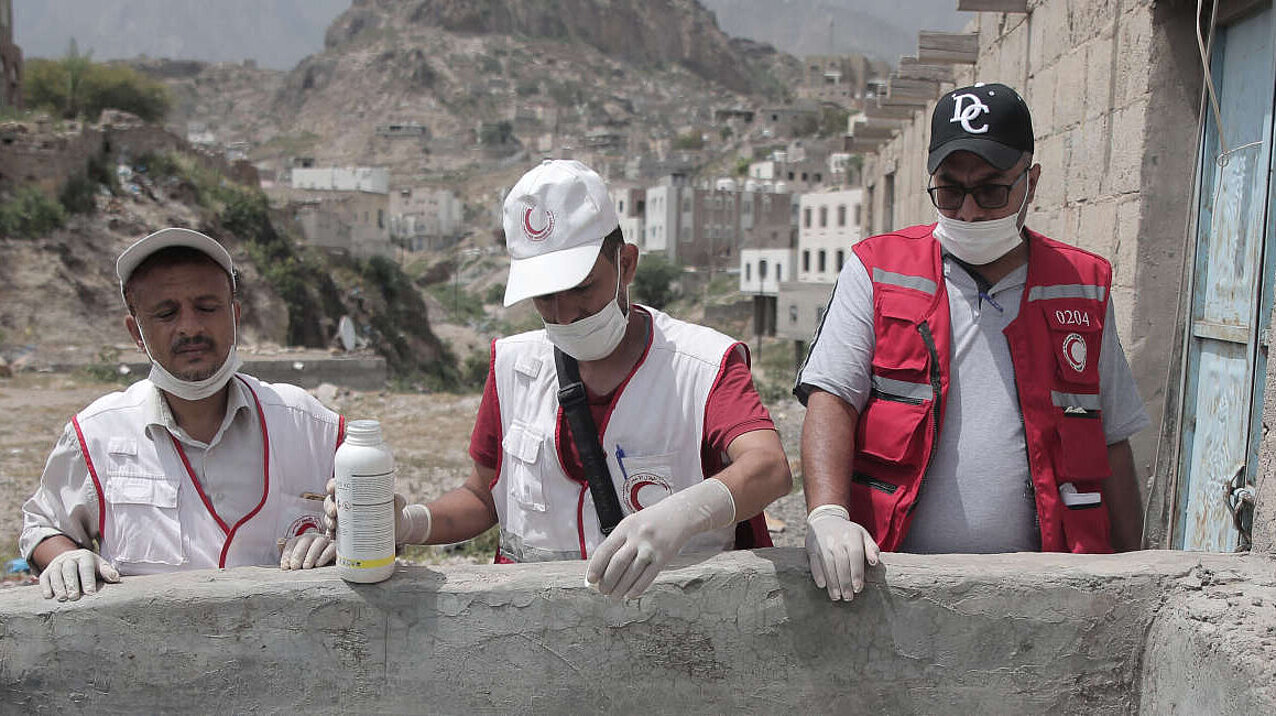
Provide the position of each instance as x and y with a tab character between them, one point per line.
364	471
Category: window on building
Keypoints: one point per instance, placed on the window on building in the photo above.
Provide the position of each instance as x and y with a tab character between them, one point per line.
819	177
620	207
859	214
822	263
841	259
804	176
790	176
841	214
806	217
806	260
824	216
380	219
779	272
748	272
762	269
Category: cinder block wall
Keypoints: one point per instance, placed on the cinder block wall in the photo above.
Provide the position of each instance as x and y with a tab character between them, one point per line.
1114	88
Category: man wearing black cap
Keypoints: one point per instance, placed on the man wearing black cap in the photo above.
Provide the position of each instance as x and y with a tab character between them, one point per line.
966	391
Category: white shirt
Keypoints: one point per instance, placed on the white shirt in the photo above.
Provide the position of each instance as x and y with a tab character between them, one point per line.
228	468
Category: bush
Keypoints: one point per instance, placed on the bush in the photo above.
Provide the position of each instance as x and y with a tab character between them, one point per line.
30	213
689	141
75	86
653	282
77	195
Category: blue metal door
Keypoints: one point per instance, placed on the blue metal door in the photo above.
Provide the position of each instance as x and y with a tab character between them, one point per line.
1231	291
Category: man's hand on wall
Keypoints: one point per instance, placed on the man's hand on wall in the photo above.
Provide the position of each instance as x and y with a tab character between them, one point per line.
75	572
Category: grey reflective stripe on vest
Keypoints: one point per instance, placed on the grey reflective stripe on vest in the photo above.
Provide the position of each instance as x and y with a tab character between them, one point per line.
512	547
1067	290
919	283
1075	400
903	389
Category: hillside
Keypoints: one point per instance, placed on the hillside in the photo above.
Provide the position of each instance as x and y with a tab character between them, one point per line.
490	84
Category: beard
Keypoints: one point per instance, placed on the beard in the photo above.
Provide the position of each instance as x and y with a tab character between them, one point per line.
197	373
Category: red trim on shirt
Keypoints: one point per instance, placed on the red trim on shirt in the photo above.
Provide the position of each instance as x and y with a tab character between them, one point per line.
208	505
341	430
580	520
97	484
265	472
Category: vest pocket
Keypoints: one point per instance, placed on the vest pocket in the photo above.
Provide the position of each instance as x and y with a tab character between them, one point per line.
899	345
1085	525
142	521
1081	452
890	429
526	450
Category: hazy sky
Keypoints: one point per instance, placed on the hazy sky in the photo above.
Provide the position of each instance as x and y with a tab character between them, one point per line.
279	33
276	33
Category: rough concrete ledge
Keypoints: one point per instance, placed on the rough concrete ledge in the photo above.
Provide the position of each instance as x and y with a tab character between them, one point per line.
743	632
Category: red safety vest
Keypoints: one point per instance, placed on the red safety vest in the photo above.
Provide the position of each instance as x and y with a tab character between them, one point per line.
1054	345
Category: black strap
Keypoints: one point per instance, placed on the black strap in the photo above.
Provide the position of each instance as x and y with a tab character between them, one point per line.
575	402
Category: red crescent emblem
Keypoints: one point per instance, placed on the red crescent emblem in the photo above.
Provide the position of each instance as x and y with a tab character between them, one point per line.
633	491
534	234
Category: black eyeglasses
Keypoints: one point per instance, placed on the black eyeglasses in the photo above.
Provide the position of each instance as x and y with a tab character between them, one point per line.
987	196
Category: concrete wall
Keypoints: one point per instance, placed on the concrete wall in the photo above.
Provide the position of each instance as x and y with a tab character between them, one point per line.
746	632
1113	86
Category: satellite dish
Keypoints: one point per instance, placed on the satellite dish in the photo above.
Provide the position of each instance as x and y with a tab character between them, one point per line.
345	332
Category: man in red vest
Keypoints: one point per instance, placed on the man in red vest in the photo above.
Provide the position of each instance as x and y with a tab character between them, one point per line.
966	390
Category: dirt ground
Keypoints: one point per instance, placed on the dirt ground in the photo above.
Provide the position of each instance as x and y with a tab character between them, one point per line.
429	434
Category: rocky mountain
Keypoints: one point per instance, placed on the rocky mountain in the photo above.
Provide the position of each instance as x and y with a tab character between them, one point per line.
645	32
486	85
881	30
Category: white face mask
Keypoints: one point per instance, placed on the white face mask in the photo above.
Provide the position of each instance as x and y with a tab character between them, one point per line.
592	337
980	242
194	389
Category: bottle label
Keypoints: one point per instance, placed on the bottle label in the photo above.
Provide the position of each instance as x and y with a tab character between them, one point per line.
365	520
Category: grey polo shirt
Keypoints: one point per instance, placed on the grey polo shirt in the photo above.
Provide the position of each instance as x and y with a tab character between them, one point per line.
977	496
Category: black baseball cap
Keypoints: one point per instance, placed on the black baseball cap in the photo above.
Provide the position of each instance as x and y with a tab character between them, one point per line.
989	120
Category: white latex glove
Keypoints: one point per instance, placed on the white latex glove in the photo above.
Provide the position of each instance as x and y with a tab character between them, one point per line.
411	522
838	549
307	550
74	572
626	563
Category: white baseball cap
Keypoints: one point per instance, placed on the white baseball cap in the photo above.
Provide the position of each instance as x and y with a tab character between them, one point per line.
555	219
133	256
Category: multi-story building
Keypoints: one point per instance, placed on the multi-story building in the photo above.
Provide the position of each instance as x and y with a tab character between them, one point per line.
840	79
829	223
10	60
705	228
353	222
424	218
345	209
631	207
375	180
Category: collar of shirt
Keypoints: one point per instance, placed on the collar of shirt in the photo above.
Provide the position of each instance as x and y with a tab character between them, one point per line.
955	273
160	415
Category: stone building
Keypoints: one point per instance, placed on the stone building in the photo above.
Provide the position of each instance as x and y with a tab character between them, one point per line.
424	218
10	60
1134	170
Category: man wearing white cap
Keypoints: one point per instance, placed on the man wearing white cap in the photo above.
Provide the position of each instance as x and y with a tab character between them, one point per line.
683	452
197	466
